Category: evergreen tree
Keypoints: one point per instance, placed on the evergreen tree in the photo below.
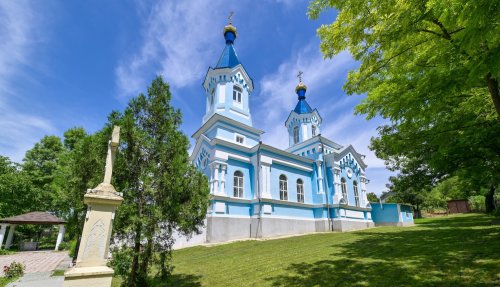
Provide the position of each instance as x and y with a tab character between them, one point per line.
162	191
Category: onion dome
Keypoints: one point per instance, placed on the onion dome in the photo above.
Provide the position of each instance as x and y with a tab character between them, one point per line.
230	33
302	106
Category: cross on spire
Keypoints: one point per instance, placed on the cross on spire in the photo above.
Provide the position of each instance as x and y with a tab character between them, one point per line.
299	75
230	17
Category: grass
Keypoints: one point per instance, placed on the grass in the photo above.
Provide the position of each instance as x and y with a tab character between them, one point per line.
58	272
4	281
458	250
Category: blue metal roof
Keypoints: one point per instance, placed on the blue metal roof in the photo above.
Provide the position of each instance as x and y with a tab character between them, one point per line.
228	59
302	107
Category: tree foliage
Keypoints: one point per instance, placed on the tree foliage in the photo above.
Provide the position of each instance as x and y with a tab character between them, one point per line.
163	192
431	68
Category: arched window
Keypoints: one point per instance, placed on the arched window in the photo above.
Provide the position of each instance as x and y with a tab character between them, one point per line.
237	94
295	134
238	184
313	128
283	187
343	185
300	190
356	193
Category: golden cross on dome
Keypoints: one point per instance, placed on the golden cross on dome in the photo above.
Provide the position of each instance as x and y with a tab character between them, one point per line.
299	75
230	17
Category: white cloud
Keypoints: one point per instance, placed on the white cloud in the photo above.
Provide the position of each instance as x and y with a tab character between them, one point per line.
20	29
277	90
178	42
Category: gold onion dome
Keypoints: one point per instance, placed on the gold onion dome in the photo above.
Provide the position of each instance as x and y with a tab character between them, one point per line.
300	86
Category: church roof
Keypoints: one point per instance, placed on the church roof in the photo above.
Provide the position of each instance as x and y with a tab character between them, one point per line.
228	59
302	107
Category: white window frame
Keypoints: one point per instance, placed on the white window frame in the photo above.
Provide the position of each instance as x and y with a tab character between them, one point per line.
356	192
300	190
283	185
313	130
296	134
238	178
237	92
236	136
343	187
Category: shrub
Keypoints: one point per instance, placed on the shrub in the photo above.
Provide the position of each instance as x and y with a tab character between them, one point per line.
121	262
14	270
72	247
477	203
63	246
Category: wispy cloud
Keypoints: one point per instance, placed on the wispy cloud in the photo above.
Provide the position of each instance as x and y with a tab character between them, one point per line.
20	28
178	42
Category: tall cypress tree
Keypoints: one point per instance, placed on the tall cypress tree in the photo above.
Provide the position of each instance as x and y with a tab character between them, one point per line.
163	192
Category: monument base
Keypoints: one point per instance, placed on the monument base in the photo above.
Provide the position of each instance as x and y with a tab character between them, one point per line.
96	276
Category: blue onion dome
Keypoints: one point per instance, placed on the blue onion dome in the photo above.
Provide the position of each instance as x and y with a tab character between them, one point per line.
230	33
301	90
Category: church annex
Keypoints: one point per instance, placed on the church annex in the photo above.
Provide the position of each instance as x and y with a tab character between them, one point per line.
260	191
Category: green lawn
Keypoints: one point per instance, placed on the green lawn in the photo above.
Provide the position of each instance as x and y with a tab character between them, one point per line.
460	250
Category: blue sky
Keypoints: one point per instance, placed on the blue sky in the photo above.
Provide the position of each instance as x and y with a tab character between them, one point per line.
70	63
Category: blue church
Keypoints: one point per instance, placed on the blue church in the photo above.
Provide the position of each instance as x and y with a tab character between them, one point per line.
260	191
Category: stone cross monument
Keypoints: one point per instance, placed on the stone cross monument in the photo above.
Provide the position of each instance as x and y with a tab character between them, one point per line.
102	201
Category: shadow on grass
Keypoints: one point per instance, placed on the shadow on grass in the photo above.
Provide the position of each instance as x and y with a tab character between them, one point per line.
453	251
180	280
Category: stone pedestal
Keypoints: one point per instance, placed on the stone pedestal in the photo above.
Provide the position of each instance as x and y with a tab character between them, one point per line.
90	268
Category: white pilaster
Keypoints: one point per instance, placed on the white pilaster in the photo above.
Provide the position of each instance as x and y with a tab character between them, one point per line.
8	243
60	236
215	180
266	180
222	177
320	177
3	228
364	197
336	181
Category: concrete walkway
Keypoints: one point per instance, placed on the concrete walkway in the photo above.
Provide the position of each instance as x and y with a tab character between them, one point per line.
40	279
39	267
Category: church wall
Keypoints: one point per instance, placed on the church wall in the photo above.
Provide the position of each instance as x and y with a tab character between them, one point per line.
292	175
292	211
247	170
350	186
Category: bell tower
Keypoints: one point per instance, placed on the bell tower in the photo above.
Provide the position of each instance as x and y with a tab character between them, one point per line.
228	86
303	122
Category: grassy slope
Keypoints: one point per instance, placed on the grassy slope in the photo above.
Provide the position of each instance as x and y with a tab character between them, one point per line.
461	250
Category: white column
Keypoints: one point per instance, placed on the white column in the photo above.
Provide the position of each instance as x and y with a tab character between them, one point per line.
215	180
3	228
336	181
364	197
320	177
8	243
222	177
60	236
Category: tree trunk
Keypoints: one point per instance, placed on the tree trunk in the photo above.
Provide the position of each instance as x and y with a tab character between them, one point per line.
132	278
490	200
417	212
494	92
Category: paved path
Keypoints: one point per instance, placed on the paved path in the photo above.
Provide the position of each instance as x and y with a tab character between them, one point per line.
40	279
36	261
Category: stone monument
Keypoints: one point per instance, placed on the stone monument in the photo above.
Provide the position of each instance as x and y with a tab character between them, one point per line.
102	201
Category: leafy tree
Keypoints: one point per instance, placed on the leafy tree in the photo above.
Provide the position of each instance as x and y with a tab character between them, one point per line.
80	168
372	197
431	68
40	164
163	192
15	189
